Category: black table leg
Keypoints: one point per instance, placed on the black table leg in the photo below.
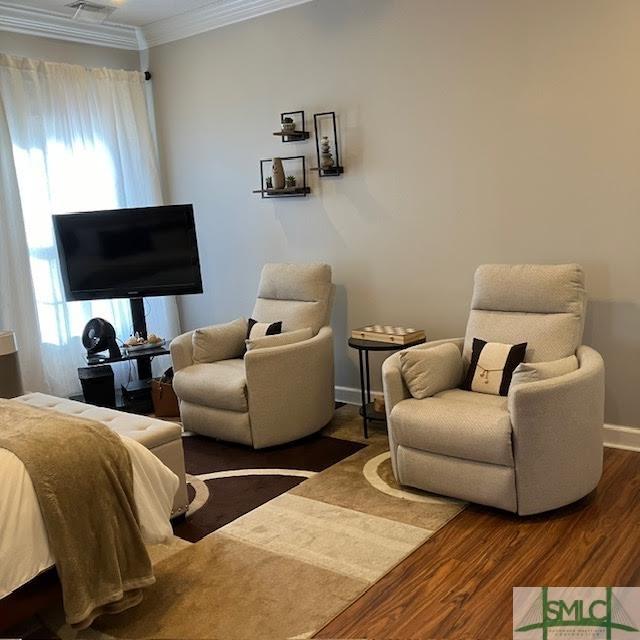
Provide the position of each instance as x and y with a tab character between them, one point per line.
366	359
362	395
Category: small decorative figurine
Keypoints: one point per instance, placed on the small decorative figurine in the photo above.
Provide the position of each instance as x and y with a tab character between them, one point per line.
326	159
277	173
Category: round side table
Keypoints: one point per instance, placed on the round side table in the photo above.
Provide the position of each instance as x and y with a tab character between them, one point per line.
364	347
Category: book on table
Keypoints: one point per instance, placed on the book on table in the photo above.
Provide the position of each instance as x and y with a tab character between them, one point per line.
388	333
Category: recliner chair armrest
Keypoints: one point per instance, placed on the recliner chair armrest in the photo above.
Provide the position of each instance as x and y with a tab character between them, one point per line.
209	344
181	350
291	389
393	384
395	390
557	435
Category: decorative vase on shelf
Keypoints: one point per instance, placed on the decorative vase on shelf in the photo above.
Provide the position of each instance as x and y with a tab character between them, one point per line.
288	125
326	159
277	173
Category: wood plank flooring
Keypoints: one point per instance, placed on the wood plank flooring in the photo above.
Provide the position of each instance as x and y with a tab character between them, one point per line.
459	583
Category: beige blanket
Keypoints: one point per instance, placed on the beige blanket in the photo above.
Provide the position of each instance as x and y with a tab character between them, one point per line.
82	476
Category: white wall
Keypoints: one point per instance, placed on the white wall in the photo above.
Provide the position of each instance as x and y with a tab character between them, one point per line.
472	131
19	44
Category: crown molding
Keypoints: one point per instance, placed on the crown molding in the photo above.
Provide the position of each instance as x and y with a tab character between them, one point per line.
212	16
50	24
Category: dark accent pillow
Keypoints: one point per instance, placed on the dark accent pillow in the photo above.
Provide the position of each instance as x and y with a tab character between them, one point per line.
257	329
492	366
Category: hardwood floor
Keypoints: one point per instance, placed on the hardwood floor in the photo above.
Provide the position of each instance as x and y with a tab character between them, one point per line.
459	583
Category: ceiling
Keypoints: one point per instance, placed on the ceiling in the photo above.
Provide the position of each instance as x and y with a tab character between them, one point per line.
135	24
136	13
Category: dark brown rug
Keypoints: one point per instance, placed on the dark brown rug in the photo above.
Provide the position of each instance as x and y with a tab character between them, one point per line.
246	478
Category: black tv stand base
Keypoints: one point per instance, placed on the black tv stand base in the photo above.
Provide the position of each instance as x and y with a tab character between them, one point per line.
136	398
140	327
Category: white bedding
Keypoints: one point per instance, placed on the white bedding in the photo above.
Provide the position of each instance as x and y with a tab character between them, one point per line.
24	549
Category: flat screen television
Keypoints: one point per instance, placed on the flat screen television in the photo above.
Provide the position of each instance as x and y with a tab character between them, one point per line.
128	253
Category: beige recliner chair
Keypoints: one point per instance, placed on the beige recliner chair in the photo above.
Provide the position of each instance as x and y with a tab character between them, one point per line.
271	395
537	449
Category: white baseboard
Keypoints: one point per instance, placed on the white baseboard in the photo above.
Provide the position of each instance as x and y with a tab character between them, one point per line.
351	395
614	435
618	436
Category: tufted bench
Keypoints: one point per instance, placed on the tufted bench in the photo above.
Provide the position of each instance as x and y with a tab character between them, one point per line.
162	438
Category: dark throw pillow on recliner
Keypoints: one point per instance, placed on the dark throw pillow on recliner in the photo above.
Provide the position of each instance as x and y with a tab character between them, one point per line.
492	366
257	329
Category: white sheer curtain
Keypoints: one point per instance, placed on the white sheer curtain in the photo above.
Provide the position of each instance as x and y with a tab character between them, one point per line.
17	302
81	141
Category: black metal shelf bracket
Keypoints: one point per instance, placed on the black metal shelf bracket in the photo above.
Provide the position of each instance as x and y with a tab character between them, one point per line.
337	169
300	133
287	192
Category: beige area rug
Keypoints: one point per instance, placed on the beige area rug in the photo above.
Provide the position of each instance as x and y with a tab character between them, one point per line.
288	567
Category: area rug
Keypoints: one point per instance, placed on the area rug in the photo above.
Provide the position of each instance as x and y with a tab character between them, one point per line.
287	567
225	481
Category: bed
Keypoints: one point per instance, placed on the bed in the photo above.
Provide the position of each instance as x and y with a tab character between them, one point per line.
24	549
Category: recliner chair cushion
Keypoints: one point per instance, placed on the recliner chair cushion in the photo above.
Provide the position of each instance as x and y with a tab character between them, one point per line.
456	423
548	337
429	371
295	314
301	295
280	339
542	305
304	282
529	288
219	341
219	385
534	371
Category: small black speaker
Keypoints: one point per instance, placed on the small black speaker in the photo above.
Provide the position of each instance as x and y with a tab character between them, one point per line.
97	385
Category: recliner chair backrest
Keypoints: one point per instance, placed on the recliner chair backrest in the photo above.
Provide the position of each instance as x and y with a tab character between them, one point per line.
301	295
542	305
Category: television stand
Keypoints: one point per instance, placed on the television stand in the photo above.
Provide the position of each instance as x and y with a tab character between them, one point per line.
143	357
147	354
138	400
143	362
136	396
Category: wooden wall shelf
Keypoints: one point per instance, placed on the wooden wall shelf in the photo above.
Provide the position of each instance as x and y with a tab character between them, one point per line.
333	171
299	133
293	192
337	169
299	191
292	136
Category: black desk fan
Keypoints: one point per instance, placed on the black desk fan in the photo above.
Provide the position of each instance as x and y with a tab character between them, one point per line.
99	335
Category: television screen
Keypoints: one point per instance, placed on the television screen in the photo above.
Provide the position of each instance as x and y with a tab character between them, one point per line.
128	253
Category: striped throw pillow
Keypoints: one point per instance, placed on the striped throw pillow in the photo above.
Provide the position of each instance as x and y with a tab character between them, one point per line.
257	329
492	366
